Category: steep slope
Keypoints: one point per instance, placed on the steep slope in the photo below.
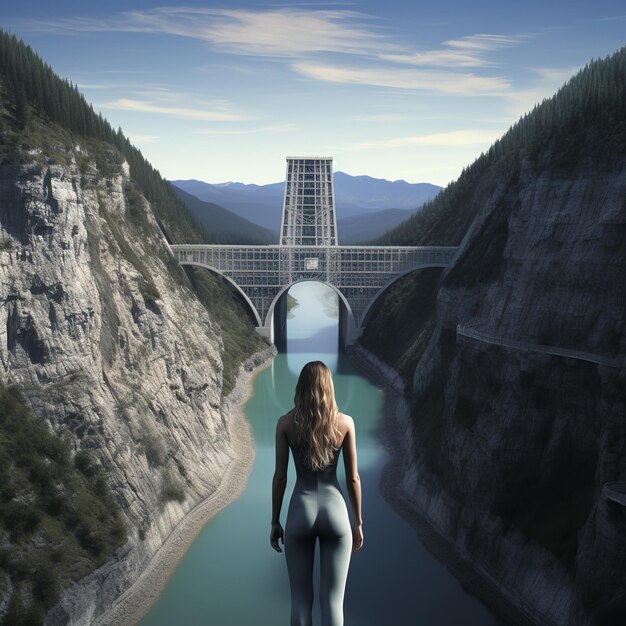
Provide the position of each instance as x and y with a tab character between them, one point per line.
34	89
515	378
259	204
225	226
109	359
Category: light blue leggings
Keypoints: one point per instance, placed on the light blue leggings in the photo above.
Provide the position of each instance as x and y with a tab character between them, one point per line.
317	511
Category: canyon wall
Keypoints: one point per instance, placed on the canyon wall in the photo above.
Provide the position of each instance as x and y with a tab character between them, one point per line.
517	386
103	335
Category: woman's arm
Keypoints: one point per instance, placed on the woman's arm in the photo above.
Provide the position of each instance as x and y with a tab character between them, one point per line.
353	482
279	482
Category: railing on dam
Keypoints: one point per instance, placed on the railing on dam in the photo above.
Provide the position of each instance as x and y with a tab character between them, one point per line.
479	333
359	274
282	259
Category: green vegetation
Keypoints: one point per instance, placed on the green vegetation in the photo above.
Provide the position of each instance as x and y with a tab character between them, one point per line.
6	244
36	98
116	224
153	447
409	304
545	484
58	520
584	120
172	489
239	337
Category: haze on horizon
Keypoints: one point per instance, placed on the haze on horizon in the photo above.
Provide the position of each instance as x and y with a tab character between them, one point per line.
225	91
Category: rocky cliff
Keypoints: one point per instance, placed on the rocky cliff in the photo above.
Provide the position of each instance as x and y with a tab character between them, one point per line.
516	380
111	347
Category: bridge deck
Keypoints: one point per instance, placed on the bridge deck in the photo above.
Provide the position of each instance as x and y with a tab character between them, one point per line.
358	273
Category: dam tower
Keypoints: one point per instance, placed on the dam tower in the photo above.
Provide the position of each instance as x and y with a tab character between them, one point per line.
309	204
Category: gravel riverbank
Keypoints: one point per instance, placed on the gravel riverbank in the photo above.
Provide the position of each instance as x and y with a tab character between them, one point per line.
135	602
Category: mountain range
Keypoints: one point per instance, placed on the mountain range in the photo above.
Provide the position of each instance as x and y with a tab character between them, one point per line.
223	225
385	203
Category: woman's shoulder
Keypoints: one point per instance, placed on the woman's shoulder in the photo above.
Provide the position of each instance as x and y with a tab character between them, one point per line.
285	422
346	425
345	420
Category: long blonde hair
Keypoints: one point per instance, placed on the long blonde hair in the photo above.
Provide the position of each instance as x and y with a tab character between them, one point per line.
315	414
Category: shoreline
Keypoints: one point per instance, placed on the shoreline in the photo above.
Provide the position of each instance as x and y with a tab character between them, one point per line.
471	576
135	603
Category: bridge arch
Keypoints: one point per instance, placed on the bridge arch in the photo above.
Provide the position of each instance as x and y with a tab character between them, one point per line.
381	291
358	274
351	323
230	281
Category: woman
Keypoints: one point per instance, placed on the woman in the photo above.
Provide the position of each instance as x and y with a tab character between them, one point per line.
316	432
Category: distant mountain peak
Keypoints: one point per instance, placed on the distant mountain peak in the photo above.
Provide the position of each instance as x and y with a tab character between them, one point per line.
354	195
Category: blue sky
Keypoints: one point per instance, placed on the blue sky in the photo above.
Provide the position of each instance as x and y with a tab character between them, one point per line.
224	91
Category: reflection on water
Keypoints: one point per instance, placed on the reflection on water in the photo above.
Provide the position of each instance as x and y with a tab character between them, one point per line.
231	576
313	323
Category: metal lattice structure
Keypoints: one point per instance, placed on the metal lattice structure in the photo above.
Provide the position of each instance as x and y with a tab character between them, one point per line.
309	251
309	206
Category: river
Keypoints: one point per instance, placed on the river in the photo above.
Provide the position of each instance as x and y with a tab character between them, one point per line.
231	577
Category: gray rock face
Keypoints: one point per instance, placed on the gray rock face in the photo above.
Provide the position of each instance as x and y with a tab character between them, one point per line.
510	446
131	373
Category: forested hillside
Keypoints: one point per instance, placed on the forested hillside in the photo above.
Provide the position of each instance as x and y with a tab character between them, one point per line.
90	296
40	113
34	90
585	119
584	122
514	356
227	227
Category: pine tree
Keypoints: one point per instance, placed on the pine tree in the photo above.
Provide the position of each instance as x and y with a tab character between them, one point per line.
22	109
34	88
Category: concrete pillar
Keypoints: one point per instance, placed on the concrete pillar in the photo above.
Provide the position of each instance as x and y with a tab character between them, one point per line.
279	323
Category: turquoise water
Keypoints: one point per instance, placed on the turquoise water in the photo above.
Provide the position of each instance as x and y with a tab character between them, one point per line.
231	577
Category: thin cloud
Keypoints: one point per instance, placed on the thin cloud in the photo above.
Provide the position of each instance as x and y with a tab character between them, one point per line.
283	32
166	96
143	106
301	34
468	51
438	58
274	128
451	83
147	90
485	42
610	18
451	139
555	76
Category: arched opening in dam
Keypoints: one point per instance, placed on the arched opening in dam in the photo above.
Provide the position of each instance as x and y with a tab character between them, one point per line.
311	313
312	317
